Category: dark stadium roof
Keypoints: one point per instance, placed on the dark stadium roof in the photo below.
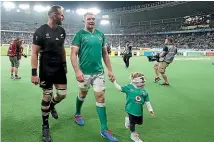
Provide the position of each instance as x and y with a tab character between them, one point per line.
83	4
157	12
181	10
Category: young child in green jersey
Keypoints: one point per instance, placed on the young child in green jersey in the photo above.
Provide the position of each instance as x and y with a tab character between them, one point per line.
136	97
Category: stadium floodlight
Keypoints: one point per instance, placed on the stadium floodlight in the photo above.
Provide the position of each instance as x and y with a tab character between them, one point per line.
93	10
104	22
81	11
40	8
105	16
24	6
67	10
47	8
9	5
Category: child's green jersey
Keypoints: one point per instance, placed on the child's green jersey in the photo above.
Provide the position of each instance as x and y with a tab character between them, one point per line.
135	99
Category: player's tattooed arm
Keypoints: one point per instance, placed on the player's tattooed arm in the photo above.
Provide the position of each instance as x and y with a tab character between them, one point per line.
34	57
63	54
106	59
64	59
117	86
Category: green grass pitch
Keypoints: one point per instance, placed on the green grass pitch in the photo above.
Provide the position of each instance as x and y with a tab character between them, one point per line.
184	111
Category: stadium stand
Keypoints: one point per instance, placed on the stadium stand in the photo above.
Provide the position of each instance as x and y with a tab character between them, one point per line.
190	32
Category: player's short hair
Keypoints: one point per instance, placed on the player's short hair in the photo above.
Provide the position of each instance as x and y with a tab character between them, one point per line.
88	13
55	8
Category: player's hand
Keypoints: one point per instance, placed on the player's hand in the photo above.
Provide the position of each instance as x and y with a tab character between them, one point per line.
35	80
80	76
111	76
152	113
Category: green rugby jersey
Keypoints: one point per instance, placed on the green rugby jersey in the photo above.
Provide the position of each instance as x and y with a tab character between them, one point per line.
135	99
90	51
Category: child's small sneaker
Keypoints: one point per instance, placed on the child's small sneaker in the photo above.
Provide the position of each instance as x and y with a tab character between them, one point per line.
127	123
135	137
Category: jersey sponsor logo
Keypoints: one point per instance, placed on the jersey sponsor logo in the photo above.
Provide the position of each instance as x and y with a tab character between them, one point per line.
138	98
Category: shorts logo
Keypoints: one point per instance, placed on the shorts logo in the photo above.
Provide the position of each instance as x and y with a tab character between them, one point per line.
43	83
138	98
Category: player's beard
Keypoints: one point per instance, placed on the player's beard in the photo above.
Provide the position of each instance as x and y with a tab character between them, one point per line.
58	22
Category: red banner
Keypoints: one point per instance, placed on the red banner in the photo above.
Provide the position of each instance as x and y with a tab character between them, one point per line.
209	53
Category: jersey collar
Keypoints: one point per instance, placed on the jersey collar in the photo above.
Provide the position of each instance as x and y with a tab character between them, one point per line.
89	32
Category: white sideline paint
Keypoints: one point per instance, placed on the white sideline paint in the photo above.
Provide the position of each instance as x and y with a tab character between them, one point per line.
192	59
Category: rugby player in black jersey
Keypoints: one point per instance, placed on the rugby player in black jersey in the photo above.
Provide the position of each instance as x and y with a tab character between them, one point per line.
48	43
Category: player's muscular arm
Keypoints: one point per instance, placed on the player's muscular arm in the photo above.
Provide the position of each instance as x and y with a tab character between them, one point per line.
34	57
73	57
64	59
63	55
106	59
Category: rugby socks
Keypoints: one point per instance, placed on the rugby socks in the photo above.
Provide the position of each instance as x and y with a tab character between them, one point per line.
79	102
101	111
45	116
53	103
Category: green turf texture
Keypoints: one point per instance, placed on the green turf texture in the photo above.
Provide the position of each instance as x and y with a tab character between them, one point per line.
184	111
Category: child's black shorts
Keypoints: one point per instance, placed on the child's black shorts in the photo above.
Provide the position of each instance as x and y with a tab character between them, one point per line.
135	119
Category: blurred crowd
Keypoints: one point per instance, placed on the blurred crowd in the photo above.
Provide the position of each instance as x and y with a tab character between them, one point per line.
147	39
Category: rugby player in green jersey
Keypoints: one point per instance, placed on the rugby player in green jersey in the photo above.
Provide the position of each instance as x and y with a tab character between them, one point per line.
89	46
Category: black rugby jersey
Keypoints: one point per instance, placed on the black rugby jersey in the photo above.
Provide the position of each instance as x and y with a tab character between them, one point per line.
51	42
